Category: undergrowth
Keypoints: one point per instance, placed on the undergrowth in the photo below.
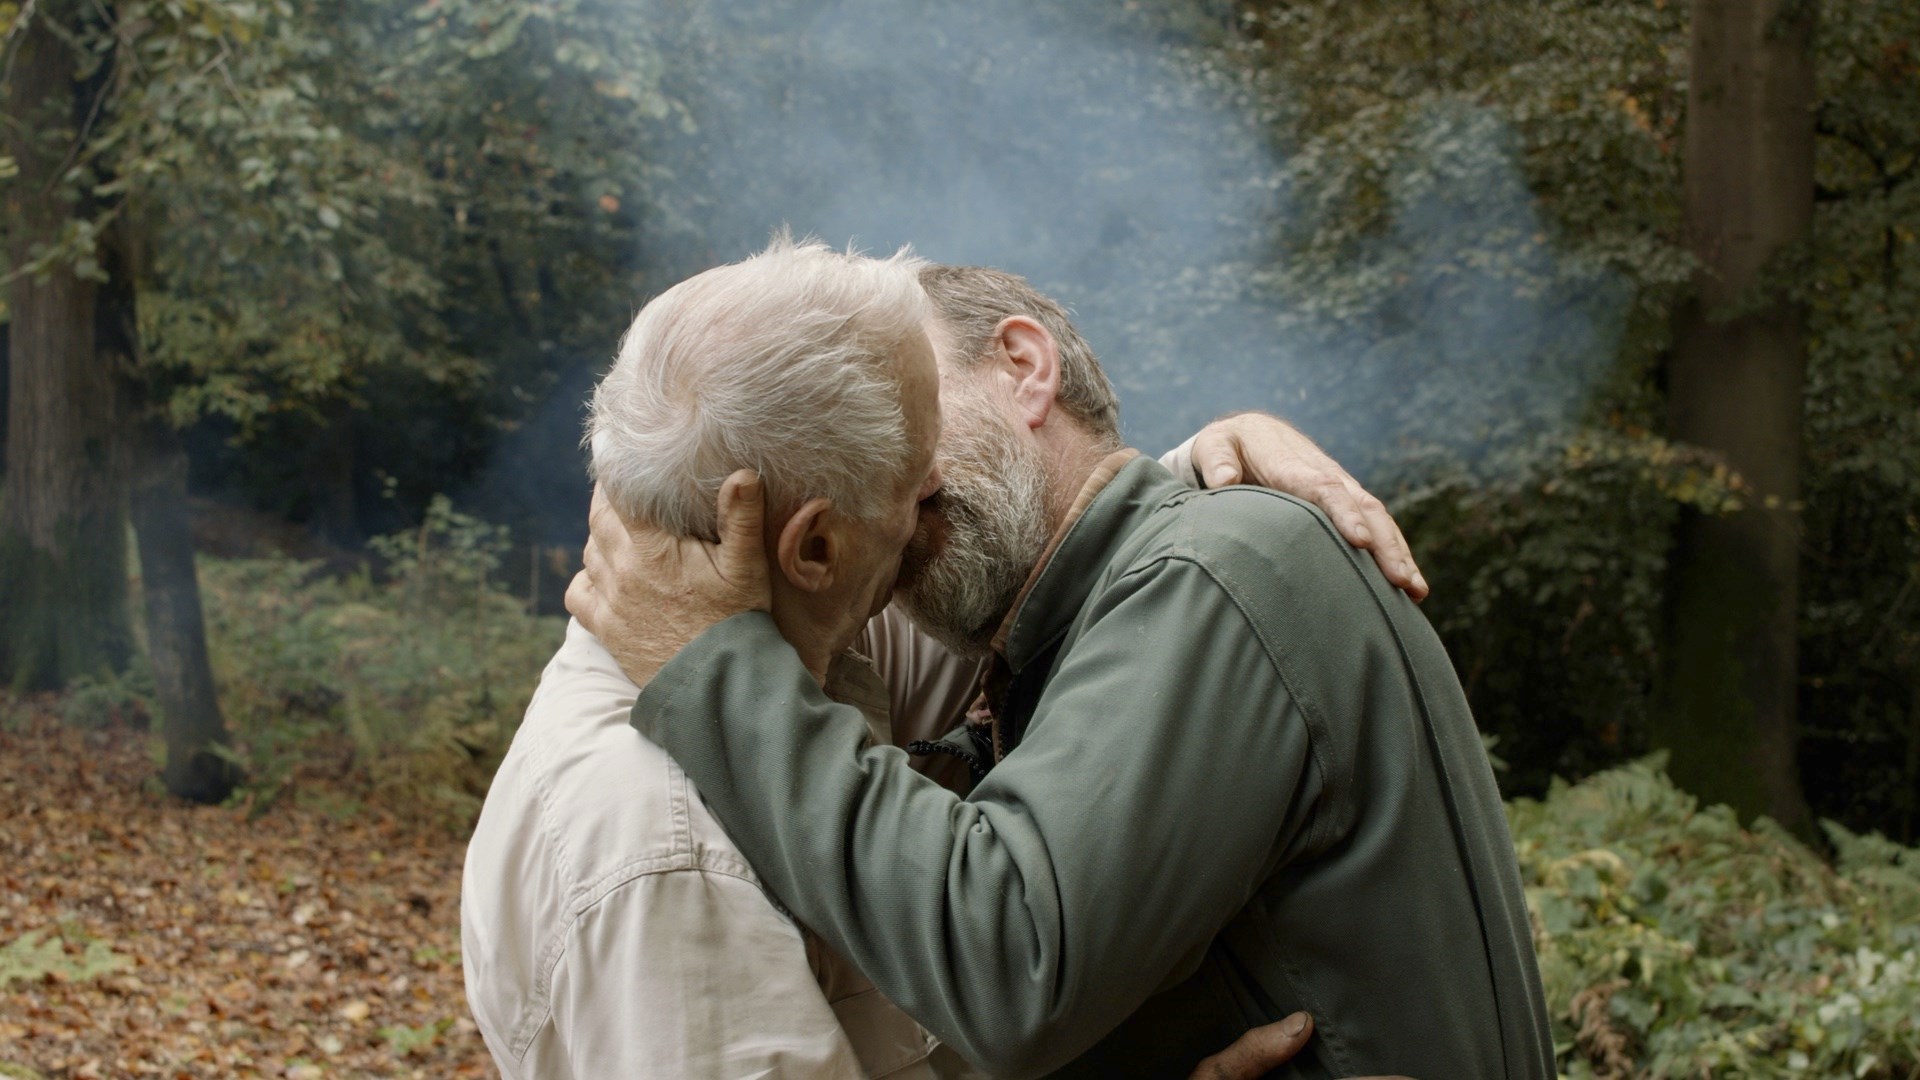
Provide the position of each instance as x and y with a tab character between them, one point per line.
413	681
1675	943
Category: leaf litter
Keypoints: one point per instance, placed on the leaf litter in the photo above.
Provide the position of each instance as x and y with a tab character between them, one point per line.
140	936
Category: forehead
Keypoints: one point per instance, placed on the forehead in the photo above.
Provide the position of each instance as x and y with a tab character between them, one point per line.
920	388
919	367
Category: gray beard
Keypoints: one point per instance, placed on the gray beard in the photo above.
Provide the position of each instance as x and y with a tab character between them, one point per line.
994	500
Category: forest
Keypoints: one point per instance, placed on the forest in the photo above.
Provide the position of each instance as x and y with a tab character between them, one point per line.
1615	303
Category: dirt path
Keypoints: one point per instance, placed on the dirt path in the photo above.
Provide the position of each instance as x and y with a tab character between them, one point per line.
142	937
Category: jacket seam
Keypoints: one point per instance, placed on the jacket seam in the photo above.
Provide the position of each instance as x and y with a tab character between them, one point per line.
1307	706
1475	887
1431	738
1318	823
538	775
682	813
539	1008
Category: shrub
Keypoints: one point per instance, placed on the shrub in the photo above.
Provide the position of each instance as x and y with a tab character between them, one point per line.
420	676
93	702
1550	563
1675	943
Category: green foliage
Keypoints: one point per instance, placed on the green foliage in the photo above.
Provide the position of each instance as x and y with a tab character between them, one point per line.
1675	943
110	700
1467	240
448	559
330	210
1408	260
1552	559
421	676
412	1040
484	235
1860	617
1489	189
65	954
251	212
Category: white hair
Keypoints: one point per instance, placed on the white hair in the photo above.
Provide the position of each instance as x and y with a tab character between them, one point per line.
785	363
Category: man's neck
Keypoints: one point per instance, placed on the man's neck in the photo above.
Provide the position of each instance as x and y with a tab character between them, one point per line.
818	639
1071	456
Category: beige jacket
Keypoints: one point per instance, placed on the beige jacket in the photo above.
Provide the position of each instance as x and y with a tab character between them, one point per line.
610	929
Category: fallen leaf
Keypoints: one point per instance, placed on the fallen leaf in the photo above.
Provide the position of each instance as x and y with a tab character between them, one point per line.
269	939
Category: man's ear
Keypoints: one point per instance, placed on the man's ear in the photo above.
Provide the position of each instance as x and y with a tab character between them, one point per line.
808	548
1034	362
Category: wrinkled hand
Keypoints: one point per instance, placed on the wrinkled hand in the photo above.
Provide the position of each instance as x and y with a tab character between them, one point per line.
1263	1049
1260	449
646	593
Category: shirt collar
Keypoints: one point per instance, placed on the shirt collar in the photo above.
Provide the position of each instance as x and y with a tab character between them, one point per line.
1122	486
852	680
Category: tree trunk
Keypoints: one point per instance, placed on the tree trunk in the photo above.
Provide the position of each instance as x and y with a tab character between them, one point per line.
190	718
1727	702
63	569
6	378
176	629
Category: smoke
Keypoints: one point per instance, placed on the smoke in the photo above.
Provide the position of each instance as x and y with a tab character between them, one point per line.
1065	145
1110	161
1137	182
1460	326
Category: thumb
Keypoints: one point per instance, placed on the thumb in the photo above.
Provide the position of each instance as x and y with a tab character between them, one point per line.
1218	461
1259	1051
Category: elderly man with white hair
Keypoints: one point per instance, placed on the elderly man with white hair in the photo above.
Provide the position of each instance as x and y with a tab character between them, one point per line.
610	927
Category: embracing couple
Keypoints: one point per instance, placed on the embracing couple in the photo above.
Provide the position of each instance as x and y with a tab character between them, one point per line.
911	725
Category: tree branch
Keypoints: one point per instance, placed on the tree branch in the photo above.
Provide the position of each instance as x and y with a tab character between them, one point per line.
15	34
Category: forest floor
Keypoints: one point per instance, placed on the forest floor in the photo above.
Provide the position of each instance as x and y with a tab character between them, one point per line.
143	937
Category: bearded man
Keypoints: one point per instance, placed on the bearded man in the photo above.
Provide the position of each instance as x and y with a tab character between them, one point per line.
609	926
1224	770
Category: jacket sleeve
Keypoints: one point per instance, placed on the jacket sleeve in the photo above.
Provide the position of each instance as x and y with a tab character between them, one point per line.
1166	771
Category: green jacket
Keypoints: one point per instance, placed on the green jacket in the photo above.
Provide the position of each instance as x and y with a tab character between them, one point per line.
1245	781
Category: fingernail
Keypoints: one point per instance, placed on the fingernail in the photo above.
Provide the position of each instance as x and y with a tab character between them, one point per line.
1362	535
1219	477
1420	582
1293	1025
1407	571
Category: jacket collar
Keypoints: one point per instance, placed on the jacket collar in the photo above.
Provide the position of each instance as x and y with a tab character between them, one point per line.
1123	489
